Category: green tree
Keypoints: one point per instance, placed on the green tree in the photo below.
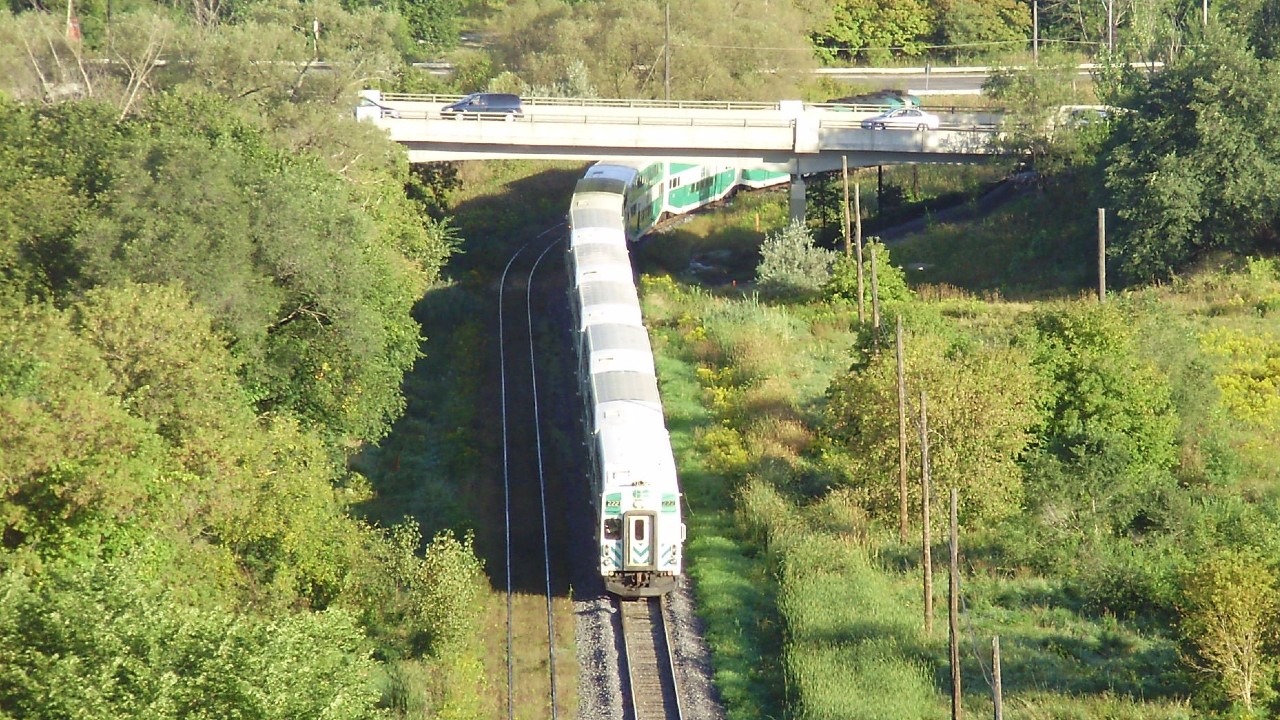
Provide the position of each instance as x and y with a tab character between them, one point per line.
104	642
713	55
1108	446
978	27
874	30
1196	165
983	403
315	301
890	279
1032	97
75	462
1229	617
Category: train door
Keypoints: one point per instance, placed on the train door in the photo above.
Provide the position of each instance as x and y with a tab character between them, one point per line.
640	534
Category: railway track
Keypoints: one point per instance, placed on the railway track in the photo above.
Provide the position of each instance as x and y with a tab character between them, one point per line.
530	571
651	692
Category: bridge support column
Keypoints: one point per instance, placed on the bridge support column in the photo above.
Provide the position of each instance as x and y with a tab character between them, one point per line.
797	198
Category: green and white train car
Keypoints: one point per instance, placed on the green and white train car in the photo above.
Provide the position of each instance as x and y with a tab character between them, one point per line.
660	189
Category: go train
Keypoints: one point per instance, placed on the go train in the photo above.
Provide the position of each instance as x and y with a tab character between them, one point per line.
634	487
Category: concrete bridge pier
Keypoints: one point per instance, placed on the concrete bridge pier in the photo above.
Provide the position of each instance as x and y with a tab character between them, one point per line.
797	203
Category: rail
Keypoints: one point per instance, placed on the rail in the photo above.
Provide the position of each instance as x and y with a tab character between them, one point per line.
650	661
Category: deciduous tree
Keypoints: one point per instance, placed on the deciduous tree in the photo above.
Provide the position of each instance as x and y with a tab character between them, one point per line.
1196	165
984	404
1229	617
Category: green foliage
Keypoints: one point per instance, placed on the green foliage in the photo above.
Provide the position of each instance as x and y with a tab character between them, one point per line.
1108	443
313	293
1031	97
851	656
74	459
891	281
873	30
1250	384
979	27
103	642
790	263
983	404
1232	605
1193	167
617	49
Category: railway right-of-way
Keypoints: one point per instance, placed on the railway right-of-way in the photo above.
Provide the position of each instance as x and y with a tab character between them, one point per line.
651	691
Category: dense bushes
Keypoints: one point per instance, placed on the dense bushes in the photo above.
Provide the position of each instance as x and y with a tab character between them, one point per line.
198	327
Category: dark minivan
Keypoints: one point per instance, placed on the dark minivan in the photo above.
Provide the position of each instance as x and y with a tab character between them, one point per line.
486	102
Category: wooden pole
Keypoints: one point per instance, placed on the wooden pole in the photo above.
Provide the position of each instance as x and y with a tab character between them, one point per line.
857	239
1035	31
666	56
953	613
902	439
1102	255
875	300
997	692
844	173
924	512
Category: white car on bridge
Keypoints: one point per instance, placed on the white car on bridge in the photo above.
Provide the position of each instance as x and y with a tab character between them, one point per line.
903	118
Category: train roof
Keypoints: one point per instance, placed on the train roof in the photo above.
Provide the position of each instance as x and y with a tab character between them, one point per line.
608	292
589	186
600	261
625	170
597	235
613	360
637	453
611	315
603	337
634	385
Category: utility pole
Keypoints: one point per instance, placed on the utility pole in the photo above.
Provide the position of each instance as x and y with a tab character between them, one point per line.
926	541
1035	31
666	58
997	689
875	299
953	613
1206	13
1111	26
1102	255
857	241
844	175
902	439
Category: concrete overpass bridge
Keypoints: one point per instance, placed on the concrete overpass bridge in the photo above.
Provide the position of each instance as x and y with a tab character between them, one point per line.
789	136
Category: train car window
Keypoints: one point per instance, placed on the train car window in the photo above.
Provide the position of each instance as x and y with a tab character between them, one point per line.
638	529
613	528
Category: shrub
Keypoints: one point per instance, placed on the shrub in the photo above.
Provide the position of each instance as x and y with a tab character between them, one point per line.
791	264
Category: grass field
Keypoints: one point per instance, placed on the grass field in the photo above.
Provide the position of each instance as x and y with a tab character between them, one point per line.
779	568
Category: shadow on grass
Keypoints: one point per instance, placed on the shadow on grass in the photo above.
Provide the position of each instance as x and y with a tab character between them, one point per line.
441	462
493	226
412	470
